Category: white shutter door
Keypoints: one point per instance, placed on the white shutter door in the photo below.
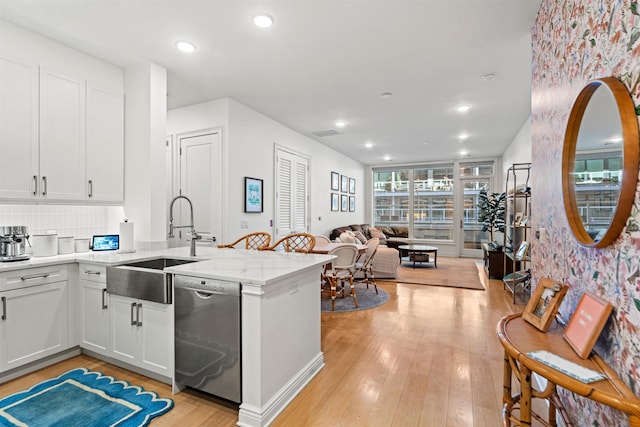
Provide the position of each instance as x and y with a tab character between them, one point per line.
292	193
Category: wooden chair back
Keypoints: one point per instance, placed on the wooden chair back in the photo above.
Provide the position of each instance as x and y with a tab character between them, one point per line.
256	241
297	242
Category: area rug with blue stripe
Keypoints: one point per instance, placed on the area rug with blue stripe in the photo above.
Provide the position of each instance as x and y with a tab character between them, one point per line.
82	398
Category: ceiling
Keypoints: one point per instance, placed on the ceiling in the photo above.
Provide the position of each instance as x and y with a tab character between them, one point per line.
327	60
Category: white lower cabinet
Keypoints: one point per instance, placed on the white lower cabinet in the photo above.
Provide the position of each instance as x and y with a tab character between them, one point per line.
141	333
33	315
94	309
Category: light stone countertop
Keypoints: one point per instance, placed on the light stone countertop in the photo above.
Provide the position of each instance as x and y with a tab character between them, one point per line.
246	266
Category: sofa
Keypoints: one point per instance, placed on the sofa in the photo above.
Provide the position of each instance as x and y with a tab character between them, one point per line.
386	261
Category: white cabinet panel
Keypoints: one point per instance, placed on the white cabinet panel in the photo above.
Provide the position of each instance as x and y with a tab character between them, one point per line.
94	320
62	137
33	324
105	145
141	333
18	128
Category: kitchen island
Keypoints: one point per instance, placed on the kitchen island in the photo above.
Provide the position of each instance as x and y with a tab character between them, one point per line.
280	315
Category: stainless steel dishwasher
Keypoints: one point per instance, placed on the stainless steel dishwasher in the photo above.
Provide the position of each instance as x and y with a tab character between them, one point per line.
207	336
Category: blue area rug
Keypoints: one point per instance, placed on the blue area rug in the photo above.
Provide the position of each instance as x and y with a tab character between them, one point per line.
367	298
82	398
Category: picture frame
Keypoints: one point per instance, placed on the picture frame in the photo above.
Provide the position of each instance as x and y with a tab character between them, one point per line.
524	221
587	322
518	218
253	195
344	203
352	203
344	184
544	303
335	202
352	186
335	181
522	251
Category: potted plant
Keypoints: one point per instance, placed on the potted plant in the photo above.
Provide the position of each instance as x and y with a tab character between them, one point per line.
492	210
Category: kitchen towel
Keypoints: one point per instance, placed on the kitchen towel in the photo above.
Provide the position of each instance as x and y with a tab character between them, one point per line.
126	237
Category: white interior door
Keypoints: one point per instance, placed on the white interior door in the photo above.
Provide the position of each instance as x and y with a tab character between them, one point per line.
199	172
292	193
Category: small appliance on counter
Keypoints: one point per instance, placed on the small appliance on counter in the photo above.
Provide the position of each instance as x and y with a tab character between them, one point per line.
12	243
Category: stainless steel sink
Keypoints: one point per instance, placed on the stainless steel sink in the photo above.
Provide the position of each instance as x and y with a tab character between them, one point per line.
143	279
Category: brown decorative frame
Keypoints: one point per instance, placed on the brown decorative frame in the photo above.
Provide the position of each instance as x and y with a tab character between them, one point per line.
586	323
629	123
544	303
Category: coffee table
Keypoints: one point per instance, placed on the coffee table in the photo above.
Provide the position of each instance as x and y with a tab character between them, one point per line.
420	253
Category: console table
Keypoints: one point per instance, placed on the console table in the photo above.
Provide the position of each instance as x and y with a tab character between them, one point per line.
519	338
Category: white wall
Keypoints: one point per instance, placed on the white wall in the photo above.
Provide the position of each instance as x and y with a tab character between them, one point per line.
249	138
519	151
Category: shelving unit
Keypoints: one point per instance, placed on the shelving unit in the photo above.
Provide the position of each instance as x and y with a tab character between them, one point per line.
517	229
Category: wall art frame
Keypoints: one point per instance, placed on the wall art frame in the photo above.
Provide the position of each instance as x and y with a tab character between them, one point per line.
253	195
344	184
344	203
352	186
335	202
335	181
352	203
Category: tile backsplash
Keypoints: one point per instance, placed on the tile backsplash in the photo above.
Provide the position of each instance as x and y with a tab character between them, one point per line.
66	220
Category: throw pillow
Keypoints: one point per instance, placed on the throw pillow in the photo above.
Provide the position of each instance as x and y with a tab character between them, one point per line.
377	233
347	238
361	237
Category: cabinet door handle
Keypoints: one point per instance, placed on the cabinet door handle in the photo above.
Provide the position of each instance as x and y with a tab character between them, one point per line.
90	188
139	314
104	299
133	308
91	272
35	276
35	185
44	185
4	308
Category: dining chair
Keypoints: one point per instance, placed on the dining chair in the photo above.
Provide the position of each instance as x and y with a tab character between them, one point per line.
297	242
341	270
365	263
257	240
322	239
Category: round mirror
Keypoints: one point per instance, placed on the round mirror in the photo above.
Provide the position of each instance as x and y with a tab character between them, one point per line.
600	162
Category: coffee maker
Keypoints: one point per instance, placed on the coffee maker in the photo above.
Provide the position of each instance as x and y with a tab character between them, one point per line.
12	243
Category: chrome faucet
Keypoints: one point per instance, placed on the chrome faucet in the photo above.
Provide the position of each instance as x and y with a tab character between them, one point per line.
194	236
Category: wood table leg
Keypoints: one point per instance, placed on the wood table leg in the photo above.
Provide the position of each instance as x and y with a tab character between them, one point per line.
506	380
525	396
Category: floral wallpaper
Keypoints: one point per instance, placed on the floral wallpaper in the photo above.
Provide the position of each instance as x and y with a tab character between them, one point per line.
573	42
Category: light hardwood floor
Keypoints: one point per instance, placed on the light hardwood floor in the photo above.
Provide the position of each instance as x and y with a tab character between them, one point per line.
428	357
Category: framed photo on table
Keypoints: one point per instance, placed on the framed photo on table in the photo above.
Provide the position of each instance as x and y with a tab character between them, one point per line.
252	195
586	323
335	181
544	303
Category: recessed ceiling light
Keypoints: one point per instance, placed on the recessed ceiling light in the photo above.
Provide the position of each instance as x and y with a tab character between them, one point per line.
368	144
463	108
386	95
488	76
263	20
463	136
387	158
186	46
341	124
464	152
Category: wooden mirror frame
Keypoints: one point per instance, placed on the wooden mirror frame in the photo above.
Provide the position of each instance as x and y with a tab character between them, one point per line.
631	143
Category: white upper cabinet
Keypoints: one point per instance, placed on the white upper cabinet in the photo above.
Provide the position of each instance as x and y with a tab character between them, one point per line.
105	145
18	129
62	137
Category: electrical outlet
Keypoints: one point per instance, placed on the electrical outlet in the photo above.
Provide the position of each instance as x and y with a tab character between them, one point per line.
244	224
543	235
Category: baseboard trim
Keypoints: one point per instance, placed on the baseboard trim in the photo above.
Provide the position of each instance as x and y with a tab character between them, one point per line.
42	363
252	416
